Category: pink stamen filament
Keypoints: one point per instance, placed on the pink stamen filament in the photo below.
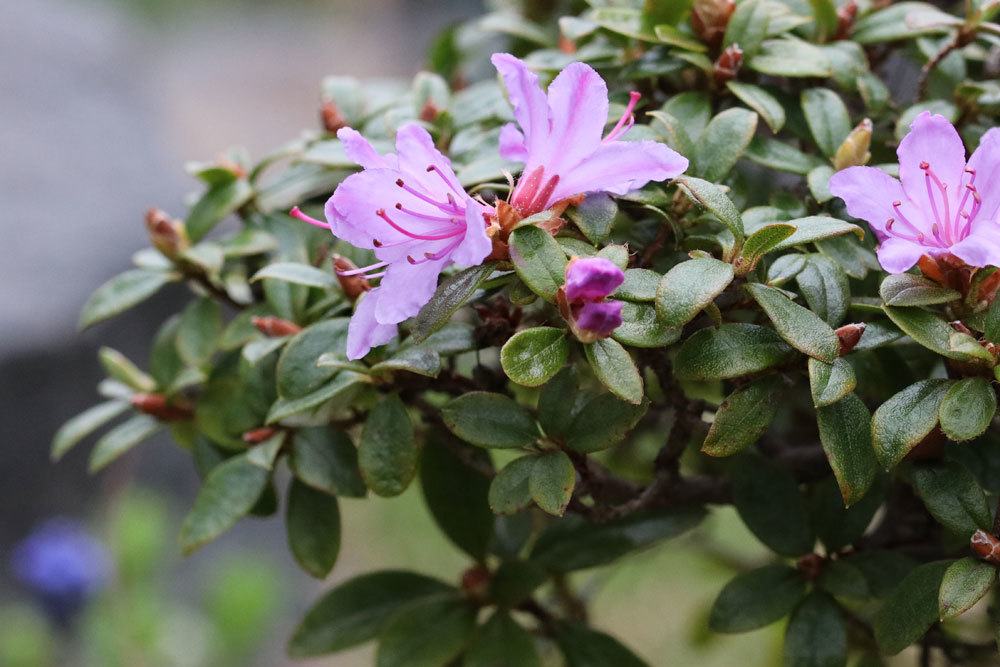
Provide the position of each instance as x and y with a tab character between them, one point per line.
919	238
428	256
437	170
627	120
902	218
373	276
423	237
364	269
943	225
450	207
299	215
425	216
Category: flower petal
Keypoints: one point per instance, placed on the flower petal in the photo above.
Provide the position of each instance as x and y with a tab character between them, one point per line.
600	317
897	255
869	194
531	108
361	151
578	107
591	278
406	288
417	152
512	144
476	245
365	332
986	162
981	248
931	139
619	167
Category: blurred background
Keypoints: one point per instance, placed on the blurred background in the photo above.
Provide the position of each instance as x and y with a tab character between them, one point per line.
101	104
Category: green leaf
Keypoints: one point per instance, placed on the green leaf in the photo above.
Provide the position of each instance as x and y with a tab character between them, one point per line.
584	647
911	609
845	432
791	58
218	202
427	633
723	142
825	288
830	382
511	23
767	497
502	642
119	367
313	524
614	367
965	582
713	198
903	20
817	634
298	274
907	289
453	292
747	26
761	101
764	239
340	388
121	293
624	21
490	420
902	422
756	599
199	331
121	439
601	422
615	253
510	491
575	544
827	117
538	260
595	216
743	417
326	460
954	498
388	451
228	493
929	330
668	34
531	357
457	496
355	611
799	326
643	327
689	287
780	156
556	402
639	285
551	482
730	351
818	179
298	374
416	359
817	228
82	425
836	525
968	409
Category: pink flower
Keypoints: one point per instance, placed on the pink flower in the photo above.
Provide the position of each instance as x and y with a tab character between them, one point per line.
561	143
408	208
583	298
940	205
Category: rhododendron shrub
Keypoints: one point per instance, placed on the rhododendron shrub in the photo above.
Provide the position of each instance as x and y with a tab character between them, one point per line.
599	272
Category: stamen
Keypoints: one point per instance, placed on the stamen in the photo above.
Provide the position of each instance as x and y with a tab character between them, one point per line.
299	215
437	170
424	216
424	237
542	198
627	118
364	269
373	276
451	207
919	238
899	214
930	193
429	256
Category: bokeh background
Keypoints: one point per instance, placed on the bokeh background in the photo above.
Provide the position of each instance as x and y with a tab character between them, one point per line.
101	104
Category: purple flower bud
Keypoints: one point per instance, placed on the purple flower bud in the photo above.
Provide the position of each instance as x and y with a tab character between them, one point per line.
591	279
62	565
599	318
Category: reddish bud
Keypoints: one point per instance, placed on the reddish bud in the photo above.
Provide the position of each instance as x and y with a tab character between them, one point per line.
986	547
275	327
567	45
429	112
849	335
709	19
960	327
331	117
353	286
166	234
728	64
811	566
157	405
476	582
259	435
845	19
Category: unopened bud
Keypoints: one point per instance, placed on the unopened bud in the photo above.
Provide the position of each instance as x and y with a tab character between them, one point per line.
567	45
476	582
986	547
845	19
353	285
157	405
275	327
811	566
848	336
166	234
331	117
728	64
429	112
709	19
960	327
259	435
854	152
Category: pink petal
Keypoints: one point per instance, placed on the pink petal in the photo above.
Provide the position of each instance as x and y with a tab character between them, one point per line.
898	256
619	167
476	245
512	144
531	108
931	139
986	161
578	104
361	151
406	288
417	151
869	194
364	332
981	248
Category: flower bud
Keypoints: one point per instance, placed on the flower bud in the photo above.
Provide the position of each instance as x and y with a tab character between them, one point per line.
331	117
355	284
849	335
476	582
728	64
854	152
429	112
598	319
157	405
986	547
275	327
166	234
709	19
591	278
259	435
846	14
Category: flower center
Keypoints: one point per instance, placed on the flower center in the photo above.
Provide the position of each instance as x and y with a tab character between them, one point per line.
533	192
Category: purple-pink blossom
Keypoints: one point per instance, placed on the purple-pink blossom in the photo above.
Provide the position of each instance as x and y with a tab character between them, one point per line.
941	204
589	282
562	143
410	210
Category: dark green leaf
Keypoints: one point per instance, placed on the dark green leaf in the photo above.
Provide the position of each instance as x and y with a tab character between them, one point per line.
639	285
556	402
199	331
426	633
602	422
830	382
510	491
968	408
595	217
799	326
121	293
743	417
845	431
827	118
816	634
298	375
457	496
954	498
82	425
217	202
723	142
451	295
764	239
388	451
838	526
761	101
584	647
313	523
767	497
614	367
902	422
538	260
326	460
490	420
903	20
643	327
298	274
791	58
906	289
531	357
502	642
121	439
713	198
551	483
911	609
817	228
756	599
936	335
732	350
965	583
689	287
825	288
